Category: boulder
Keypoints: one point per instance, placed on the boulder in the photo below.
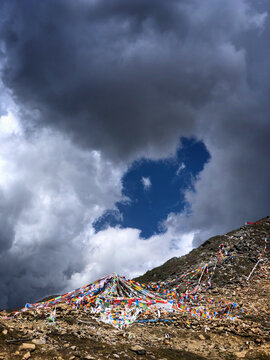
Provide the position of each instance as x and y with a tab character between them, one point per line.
138	350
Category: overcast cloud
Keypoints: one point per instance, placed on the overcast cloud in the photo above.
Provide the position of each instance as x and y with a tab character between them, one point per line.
93	85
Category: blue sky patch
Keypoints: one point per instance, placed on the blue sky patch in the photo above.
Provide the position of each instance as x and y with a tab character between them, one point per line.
155	189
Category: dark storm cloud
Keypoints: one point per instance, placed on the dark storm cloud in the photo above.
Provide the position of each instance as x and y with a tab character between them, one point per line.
11	205
238	138
113	73
126	78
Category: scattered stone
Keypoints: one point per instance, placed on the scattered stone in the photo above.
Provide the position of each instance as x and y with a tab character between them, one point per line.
4	332
138	350
240	354
41	341
27	346
26	356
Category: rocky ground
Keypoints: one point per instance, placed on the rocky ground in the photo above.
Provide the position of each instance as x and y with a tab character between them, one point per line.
77	335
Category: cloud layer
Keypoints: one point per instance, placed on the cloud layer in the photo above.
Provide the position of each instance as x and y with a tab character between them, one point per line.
50	193
94	85
111	75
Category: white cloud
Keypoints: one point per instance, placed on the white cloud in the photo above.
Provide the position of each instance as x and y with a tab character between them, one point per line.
125	252
50	193
146	183
9	125
181	167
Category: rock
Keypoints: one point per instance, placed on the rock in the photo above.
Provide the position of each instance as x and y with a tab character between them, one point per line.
4	332
240	354
138	350
201	337
26	356
27	346
41	341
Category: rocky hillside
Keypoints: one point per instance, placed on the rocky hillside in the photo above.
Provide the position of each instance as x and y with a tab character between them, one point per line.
77	335
244	246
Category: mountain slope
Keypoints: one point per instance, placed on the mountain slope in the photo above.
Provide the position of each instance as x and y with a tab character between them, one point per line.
243	246
240	328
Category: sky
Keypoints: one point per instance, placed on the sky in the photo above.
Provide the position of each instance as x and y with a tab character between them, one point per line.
130	132
155	188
